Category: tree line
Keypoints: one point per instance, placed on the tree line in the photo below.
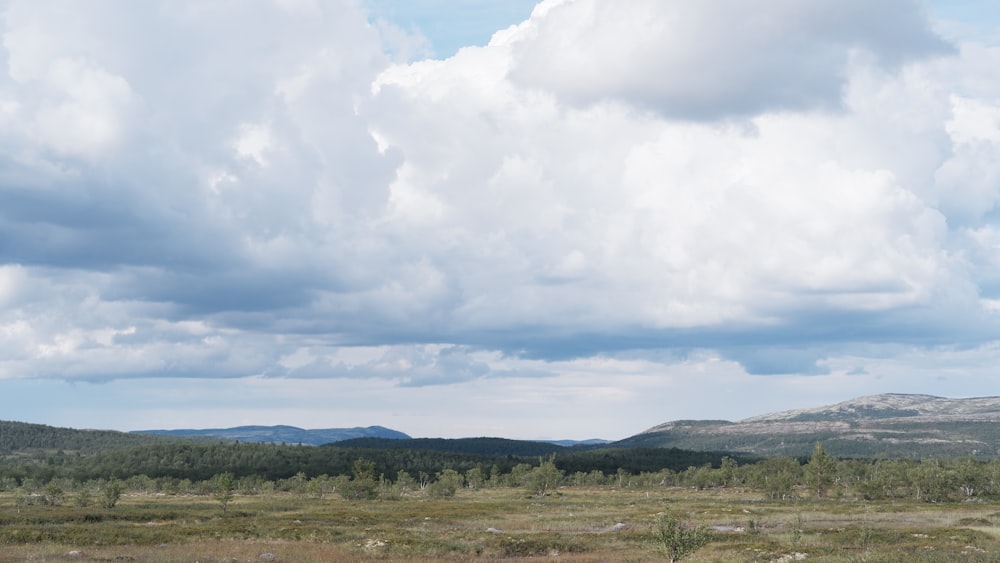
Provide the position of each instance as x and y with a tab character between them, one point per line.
198	460
368	474
21	436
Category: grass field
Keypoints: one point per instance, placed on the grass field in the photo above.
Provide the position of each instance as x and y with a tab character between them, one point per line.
574	524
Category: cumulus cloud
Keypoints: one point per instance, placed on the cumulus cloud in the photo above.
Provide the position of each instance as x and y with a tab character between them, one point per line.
720	58
966	184
217	190
708	224
652	232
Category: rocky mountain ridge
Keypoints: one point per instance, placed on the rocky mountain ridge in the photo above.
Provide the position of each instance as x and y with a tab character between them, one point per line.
889	425
894	405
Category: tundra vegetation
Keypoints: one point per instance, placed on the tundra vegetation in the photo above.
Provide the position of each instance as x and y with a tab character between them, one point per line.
54	507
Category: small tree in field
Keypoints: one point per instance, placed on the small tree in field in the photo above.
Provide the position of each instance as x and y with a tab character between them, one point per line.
54	494
544	478
112	492
405	483
679	539
363	485
820	471
84	498
224	489
446	485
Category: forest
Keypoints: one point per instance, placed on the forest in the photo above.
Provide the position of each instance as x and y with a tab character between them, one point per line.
38	456
369	499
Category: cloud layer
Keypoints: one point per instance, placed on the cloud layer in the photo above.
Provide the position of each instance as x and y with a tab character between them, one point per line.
217	190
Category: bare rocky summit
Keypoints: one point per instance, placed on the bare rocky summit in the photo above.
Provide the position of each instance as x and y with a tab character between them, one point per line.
888	425
894	405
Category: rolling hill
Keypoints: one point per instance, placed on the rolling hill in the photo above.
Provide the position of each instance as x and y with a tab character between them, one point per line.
285	434
24	436
888	425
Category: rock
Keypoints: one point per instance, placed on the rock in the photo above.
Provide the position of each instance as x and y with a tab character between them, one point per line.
620	527
494	530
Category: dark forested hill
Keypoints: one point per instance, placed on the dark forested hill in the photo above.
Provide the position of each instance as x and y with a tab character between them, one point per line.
474	446
571	460
22	436
285	434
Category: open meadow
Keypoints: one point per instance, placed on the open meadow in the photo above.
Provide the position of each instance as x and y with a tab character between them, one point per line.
569	524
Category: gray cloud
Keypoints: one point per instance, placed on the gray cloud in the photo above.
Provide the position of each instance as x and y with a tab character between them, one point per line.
717	59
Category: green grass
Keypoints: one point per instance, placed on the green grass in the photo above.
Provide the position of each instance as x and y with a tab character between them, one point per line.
575	524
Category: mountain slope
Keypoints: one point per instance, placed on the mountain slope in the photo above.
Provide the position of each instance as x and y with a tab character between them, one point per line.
285	434
895	405
889	425
24	436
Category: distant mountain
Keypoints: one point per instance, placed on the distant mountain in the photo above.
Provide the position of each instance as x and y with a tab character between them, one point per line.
285	434
889	425
575	443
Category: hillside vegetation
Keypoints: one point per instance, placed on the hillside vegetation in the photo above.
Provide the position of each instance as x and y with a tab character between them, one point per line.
23	437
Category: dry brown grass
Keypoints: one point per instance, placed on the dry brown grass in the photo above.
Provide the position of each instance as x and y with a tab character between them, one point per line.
576	524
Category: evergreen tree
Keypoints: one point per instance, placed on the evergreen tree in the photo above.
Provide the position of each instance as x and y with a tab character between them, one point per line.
820	471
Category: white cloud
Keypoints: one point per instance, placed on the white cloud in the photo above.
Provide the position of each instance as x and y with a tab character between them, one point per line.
254	142
206	189
710	59
91	116
967	185
679	224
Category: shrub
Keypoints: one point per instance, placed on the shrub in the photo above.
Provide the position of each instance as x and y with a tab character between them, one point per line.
448	482
112	492
679	539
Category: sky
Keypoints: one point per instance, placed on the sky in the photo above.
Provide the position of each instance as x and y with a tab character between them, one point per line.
562	220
